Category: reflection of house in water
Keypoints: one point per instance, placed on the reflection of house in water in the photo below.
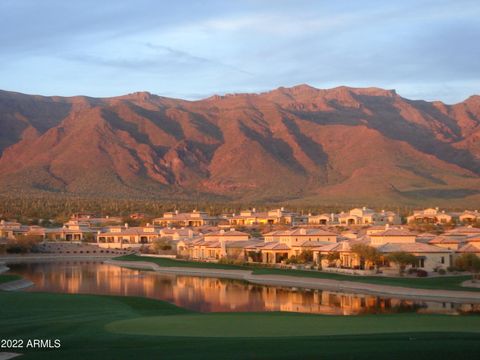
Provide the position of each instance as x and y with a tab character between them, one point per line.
330	303
212	294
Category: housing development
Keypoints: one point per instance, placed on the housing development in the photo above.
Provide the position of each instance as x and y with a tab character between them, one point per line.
277	237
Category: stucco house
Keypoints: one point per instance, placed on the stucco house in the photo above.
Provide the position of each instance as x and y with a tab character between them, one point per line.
323	219
430	215
192	219
469	217
10	229
276	216
429	256
299	236
124	237
230	235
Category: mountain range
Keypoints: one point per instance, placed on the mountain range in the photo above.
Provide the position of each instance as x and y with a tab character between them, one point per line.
298	144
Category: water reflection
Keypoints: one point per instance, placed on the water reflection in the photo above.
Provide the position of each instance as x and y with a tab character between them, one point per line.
212	294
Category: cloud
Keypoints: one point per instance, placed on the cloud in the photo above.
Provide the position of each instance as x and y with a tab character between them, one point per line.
191	48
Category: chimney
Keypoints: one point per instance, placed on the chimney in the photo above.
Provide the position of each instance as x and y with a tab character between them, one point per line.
126	225
282	208
176	212
254	210
387	226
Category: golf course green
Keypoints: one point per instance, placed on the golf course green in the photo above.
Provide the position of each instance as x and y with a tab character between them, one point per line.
289	324
110	327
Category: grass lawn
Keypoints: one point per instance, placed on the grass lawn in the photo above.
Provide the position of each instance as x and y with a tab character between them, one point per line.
180	263
108	327
439	283
8	277
287	325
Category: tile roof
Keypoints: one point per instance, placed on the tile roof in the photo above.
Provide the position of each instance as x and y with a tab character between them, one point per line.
273	245
469	248
394	232
227	233
411	248
464	230
448	240
301	232
313	244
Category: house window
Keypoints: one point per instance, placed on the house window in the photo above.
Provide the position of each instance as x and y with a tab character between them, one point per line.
442	260
422	262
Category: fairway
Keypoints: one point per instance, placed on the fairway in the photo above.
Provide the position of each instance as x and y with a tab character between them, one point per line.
110	327
287	324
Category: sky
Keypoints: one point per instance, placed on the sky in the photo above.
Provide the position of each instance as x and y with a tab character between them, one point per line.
425	49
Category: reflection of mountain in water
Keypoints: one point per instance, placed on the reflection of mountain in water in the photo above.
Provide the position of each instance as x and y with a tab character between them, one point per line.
212	294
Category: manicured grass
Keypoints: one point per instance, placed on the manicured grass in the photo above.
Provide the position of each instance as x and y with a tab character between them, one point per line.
8	277
438	283
288	325
84	324
181	263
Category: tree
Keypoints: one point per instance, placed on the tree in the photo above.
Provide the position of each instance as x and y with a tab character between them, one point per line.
162	244
469	262
367	254
305	256
89	237
332	256
402	259
22	244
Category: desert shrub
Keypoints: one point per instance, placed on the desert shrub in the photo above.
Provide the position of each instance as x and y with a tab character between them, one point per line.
162	244
226	261
22	244
305	256
453	269
292	260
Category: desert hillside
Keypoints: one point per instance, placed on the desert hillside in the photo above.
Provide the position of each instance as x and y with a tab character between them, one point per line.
298	144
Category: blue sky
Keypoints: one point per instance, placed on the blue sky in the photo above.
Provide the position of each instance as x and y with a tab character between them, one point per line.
193	49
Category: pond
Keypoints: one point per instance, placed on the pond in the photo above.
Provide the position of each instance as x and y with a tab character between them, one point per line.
213	294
